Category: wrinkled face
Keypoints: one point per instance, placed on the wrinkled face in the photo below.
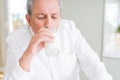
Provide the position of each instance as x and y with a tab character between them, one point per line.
45	13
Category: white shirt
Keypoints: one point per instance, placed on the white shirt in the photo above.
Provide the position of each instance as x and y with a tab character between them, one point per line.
75	53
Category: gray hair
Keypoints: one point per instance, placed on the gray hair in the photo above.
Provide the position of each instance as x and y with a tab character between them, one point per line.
31	2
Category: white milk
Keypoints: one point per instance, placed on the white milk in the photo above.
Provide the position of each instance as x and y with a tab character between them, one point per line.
52	48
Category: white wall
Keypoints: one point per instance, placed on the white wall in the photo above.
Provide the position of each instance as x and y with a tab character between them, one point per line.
88	15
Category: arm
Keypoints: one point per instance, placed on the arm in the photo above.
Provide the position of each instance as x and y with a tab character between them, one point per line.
18	63
88	60
36	44
13	71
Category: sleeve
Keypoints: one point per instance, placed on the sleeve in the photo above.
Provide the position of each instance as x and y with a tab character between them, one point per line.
90	63
88	60
12	70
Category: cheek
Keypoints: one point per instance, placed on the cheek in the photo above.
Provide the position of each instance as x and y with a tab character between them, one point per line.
37	25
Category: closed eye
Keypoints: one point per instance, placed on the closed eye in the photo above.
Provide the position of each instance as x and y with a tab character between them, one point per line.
55	16
41	16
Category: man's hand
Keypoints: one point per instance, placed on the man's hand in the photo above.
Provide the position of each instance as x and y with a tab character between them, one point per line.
36	44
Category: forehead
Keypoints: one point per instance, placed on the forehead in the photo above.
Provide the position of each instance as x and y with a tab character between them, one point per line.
45	4
46	1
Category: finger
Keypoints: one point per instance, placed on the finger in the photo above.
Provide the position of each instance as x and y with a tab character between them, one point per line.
44	39
45	30
50	35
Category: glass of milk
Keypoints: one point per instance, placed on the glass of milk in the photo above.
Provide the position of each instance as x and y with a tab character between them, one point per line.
52	48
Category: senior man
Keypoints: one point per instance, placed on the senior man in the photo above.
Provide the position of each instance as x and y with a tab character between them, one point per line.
26	55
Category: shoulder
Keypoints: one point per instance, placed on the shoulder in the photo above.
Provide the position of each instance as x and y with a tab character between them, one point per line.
69	26
66	22
19	34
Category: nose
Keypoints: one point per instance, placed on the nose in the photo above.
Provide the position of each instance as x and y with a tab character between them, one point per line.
48	22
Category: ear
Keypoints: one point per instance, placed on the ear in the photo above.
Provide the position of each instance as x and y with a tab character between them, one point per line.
28	18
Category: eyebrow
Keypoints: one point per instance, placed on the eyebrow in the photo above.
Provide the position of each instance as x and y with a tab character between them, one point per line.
45	14
40	14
